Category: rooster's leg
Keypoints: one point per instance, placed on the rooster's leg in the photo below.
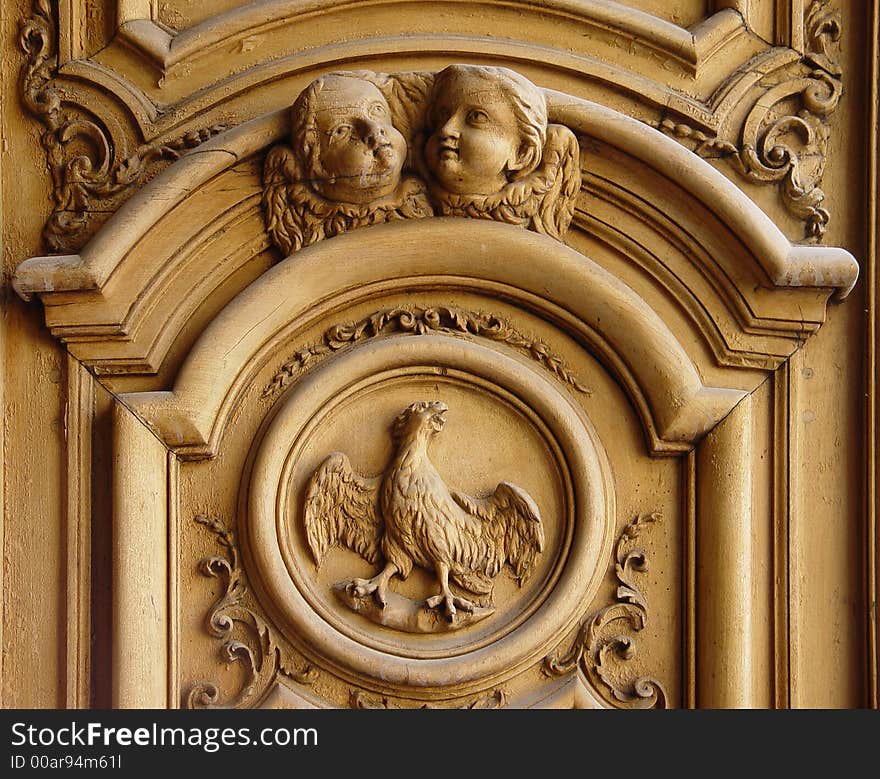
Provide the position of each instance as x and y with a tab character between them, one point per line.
446	597
378	585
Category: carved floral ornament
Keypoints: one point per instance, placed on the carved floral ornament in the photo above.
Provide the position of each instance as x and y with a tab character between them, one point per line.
419	320
90	168
246	637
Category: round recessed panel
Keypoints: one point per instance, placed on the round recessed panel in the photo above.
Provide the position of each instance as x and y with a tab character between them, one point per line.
434	494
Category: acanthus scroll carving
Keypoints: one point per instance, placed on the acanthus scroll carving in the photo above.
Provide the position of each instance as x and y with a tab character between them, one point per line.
784	137
247	639
599	649
417	320
368	148
90	172
409	517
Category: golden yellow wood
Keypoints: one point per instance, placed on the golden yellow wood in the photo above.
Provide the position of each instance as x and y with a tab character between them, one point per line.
676	273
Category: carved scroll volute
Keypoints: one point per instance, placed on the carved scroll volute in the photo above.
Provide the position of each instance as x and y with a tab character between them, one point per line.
606	639
246	637
784	137
92	169
367	148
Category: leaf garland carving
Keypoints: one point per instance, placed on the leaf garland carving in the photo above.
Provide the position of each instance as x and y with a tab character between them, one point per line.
604	642
247	639
91	170
418	320
497	699
784	138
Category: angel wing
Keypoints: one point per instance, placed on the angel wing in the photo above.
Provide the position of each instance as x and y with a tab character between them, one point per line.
513	531
560	164
280	171
342	509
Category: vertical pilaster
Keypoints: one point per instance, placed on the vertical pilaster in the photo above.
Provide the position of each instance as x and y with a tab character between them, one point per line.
140	565
728	660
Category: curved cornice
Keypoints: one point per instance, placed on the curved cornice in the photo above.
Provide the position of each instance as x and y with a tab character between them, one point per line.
784	264
152	91
207	67
126	299
667	39
558	282
94	266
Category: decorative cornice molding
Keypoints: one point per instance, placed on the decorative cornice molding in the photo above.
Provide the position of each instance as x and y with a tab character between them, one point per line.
618	19
597	651
97	115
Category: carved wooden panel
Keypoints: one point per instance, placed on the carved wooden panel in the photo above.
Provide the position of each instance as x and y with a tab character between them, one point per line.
439	384
115	107
493	393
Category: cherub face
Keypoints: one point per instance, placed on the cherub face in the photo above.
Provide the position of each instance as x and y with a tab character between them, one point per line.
476	139
360	153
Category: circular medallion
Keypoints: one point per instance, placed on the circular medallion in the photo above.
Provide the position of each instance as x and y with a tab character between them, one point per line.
426	512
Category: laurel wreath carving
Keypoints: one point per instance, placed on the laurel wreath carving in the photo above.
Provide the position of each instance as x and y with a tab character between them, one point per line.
782	145
418	320
246	637
600	650
88	166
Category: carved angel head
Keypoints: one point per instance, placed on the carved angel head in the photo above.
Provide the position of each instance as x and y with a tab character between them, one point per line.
492	154
342	169
488	127
344	140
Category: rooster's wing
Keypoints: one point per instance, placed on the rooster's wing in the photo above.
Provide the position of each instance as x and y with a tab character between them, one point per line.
342	509
512	530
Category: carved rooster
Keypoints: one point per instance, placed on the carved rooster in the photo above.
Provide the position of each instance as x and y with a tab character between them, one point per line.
410	517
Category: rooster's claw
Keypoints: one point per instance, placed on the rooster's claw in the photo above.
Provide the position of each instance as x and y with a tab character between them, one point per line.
377	586
449	603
